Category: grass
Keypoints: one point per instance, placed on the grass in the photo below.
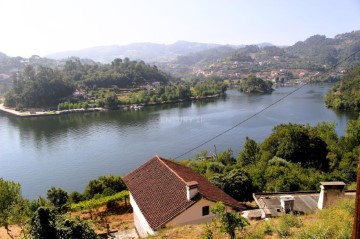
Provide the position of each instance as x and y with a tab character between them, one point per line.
335	222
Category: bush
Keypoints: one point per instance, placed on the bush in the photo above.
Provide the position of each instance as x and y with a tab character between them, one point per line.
104	186
97	202
335	222
76	197
291	220
267	229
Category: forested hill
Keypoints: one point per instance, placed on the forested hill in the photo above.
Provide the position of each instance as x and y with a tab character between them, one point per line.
44	86
316	53
345	95
10	65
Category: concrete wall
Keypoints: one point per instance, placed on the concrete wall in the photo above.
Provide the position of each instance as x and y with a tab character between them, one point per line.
142	226
193	215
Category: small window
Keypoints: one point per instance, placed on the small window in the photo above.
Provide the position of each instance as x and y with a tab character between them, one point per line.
205	210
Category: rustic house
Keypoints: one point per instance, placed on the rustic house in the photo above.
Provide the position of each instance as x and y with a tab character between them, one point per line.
164	193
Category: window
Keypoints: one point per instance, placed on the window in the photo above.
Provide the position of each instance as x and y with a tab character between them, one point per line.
205	210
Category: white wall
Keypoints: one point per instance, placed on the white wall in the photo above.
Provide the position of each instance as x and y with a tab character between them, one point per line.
142	226
193	215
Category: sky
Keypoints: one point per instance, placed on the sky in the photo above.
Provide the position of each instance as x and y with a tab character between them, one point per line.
40	27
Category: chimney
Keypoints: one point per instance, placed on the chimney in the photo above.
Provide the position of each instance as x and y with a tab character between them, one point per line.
191	189
330	193
287	203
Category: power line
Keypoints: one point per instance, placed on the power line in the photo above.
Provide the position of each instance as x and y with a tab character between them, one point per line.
262	110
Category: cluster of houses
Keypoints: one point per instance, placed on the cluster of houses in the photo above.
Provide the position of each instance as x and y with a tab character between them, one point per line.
164	193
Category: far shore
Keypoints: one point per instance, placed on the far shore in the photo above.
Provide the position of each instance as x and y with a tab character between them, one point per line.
30	113
42	113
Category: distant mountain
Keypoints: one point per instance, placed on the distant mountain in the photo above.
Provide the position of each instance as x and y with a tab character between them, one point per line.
148	52
206	56
316	53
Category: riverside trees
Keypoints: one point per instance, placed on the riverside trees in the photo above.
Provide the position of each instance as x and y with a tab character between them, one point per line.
293	157
345	95
47	87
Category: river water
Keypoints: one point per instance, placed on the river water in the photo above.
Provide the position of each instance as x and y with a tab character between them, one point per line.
68	151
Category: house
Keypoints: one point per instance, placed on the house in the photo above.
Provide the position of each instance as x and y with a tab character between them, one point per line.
164	193
273	204
156	84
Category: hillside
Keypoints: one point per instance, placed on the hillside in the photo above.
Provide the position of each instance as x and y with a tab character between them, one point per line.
303	60
149	52
47	87
345	95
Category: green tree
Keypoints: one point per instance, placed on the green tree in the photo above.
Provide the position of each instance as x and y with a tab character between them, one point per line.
252	84
352	136
229	221
98	186
297	144
11	202
111	101
76	197
46	224
58	197
249	153
236	183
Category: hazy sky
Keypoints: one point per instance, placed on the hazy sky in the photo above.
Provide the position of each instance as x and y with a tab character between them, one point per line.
47	26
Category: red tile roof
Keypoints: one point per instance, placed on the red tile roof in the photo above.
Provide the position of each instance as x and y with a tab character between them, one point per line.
159	189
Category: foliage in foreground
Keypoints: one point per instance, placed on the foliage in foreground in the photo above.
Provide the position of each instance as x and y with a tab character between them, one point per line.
334	222
13	208
225	222
97	202
47	223
293	157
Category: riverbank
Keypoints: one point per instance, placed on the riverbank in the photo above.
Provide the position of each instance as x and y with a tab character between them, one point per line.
34	113
42	113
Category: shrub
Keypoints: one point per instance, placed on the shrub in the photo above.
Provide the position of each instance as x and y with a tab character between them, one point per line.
335	222
267	229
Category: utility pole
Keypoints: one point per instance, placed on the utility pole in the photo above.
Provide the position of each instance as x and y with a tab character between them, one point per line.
356	226
216	152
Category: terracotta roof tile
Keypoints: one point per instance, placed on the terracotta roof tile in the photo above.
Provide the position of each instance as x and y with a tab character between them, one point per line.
159	189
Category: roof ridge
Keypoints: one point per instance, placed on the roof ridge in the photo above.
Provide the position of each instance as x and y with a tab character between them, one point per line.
167	166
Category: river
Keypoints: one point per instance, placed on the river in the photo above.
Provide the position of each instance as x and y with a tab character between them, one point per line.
67	151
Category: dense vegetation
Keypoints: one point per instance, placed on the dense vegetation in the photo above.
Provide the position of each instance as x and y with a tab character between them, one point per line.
253	84
43	86
293	158
345	95
41	218
177	92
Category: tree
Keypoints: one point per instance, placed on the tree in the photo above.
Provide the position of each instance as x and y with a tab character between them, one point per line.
252	84
46	224
352	136
98	186
297	144
229	221
76	197
249	153
236	183
58	197
111	101
11	202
